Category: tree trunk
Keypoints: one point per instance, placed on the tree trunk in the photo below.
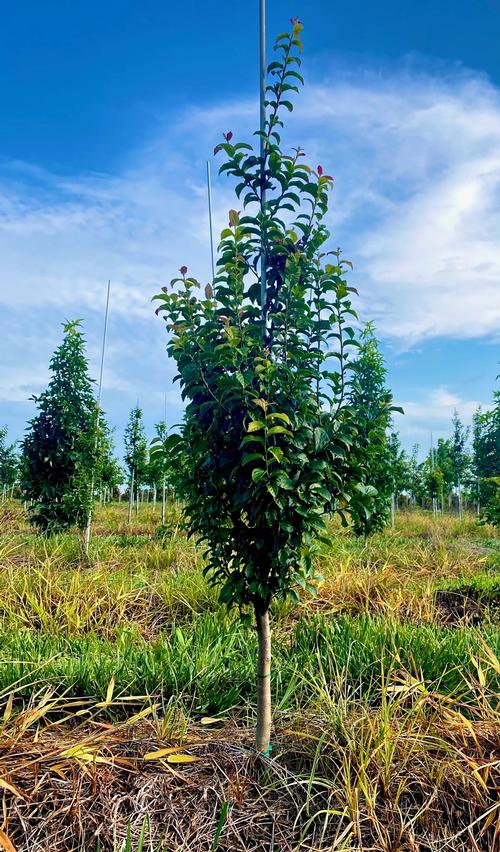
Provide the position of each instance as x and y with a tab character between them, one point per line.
131	497
163	501
393	510
263	732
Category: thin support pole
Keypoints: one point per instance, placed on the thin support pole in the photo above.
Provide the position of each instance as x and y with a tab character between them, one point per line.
164	484
131	497
86	535
263	153
210	223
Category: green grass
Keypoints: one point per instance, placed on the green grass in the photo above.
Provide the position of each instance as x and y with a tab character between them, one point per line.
209	664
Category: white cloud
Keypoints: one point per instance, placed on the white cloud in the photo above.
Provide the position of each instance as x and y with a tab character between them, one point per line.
416	205
433	414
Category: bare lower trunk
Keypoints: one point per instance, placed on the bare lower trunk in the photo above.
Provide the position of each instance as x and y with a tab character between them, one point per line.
131	497
88	525
263	732
163	501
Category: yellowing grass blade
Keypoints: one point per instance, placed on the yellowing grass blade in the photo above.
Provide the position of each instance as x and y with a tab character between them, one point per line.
6	785
110	690
492	657
208	720
5	843
302	734
182	758
8	707
79	752
157	755
146	712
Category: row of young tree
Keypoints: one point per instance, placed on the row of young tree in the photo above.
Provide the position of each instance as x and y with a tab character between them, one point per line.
68	452
460	472
67	457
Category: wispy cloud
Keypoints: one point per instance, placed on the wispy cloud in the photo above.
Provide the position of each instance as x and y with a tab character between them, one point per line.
416	205
434	413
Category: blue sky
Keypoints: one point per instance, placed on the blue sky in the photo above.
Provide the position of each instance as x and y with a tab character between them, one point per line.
109	111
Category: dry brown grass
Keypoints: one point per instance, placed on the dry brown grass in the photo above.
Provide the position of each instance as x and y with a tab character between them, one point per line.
414	774
412	771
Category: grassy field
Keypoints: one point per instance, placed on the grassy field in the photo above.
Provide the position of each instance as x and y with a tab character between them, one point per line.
126	695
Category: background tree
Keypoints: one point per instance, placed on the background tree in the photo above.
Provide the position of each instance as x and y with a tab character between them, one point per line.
136	454
459	455
160	474
371	404
486	459
9	463
415	475
58	452
442	458
433	481
266	441
397	461
108	472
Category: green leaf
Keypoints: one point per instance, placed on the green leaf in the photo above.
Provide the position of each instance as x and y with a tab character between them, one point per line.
255	426
250	457
279	416
284	481
279	430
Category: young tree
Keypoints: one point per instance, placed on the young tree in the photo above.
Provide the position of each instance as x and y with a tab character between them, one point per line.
486	460
397	464
108	472
9	463
136	454
443	459
433	481
371	404
459	455
262	357
160	465
58	452
415	475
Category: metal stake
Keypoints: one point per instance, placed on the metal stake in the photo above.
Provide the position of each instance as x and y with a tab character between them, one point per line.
86	535
210	225
164	484
263	152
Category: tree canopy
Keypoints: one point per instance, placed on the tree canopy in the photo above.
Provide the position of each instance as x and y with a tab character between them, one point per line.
58	452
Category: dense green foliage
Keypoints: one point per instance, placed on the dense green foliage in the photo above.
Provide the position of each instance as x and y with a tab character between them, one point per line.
59	450
486	459
9	461
266	443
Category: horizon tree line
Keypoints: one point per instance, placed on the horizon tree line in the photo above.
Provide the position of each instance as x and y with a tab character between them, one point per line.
67	438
